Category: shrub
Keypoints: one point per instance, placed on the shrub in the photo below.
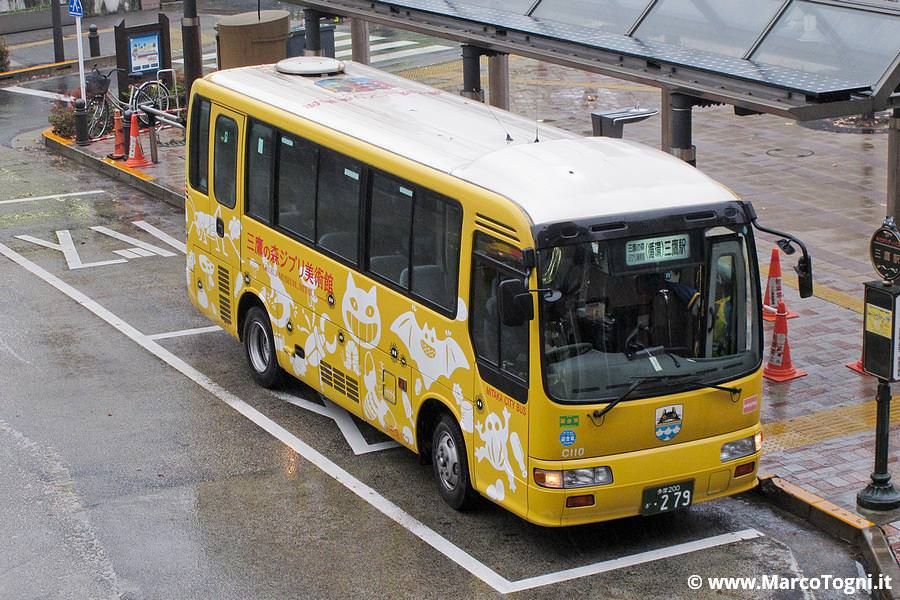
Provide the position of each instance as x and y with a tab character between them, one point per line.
62	117
4	56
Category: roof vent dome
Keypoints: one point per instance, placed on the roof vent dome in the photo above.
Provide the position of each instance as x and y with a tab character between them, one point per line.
309	65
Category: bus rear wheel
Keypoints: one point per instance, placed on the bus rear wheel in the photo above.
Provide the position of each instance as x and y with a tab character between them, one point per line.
259	346
451	465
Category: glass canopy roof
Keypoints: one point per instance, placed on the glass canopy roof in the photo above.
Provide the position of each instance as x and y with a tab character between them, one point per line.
817	47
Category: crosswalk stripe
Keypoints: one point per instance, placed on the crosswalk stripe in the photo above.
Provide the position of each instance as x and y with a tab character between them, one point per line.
407	53
348	41
377	47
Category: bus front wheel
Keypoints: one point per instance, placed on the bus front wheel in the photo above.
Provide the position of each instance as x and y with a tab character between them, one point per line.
259	346
451	465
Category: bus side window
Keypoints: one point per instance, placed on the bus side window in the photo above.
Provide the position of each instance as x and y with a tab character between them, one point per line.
437	225
390	222
298	162
225	161
337	219
501	346
259	172
199	155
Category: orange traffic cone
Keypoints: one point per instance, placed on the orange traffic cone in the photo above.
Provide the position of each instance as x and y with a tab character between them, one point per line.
856	366
136	156
774	293
780	367
118	152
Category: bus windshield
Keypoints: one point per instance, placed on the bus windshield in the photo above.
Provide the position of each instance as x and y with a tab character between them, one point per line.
677	310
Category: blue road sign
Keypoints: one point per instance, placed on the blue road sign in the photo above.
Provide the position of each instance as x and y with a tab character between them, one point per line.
75	8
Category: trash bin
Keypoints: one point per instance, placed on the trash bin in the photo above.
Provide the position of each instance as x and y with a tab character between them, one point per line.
296	42
247	39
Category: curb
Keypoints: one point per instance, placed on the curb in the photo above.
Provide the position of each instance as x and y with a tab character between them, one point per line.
116	169
54	68
877	556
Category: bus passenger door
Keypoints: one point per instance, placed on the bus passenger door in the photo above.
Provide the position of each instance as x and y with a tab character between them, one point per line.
222	268
500	436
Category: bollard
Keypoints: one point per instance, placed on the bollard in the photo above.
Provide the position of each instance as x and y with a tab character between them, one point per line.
81	123
126	132
94	41
154	152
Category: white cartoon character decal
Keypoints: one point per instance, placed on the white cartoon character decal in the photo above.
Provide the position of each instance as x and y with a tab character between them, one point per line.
495	434
361	317
298	365
191	262
317	345
276	297
234	233
434	356
465	409
496	491
205	225
351	357
374	406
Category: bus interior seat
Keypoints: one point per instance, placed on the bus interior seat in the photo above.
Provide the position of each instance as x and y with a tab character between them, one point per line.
342	243
427	277
391	267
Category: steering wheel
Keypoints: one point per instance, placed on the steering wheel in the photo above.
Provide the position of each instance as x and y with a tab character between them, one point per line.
568	351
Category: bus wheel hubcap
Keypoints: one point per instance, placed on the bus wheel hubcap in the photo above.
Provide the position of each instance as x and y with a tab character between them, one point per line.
260	352
447	461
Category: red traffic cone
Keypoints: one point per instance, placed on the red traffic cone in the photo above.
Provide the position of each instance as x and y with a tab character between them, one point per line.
774	293
780	367
136	156
118	152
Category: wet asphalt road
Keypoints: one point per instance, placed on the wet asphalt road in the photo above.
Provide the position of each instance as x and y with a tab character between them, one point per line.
120	477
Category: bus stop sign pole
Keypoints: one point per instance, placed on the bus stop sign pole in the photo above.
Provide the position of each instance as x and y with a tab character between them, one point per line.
77	10
881	357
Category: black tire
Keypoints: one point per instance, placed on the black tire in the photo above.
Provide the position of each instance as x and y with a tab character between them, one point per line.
99	117
259	348
156	94
451	465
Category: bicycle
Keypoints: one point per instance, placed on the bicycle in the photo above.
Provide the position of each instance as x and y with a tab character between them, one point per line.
101	102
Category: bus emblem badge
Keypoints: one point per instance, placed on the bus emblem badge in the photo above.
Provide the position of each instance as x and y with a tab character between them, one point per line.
668	421
567	437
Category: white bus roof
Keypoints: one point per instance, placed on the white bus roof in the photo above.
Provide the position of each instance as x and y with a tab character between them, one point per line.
563	177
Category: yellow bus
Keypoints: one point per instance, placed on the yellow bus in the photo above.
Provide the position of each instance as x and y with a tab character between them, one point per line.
567	326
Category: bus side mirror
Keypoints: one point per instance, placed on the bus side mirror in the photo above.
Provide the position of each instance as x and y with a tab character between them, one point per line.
804	276
516	305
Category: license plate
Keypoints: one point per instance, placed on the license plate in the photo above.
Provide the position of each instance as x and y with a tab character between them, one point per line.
667	498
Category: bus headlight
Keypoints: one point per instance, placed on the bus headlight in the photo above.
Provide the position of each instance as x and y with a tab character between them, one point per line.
741	448
573	478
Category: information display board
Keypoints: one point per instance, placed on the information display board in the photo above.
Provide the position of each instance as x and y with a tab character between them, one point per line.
881	331
142	51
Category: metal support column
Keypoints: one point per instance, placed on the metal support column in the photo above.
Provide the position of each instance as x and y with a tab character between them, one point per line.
359	36
665	103
59	52
893	177
312	20
680	128
880	494
472	73
191	42
498	80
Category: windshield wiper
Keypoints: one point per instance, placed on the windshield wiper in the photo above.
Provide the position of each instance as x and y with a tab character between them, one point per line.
689	378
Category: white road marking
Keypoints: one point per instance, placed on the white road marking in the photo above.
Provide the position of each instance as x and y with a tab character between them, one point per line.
343	420
203	58
52	197
184	332
40	93
130	240
407	53
67	247
126	254
363	491
348	41
377	48
161	235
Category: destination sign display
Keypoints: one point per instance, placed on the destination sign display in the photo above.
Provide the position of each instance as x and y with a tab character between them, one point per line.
657	249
